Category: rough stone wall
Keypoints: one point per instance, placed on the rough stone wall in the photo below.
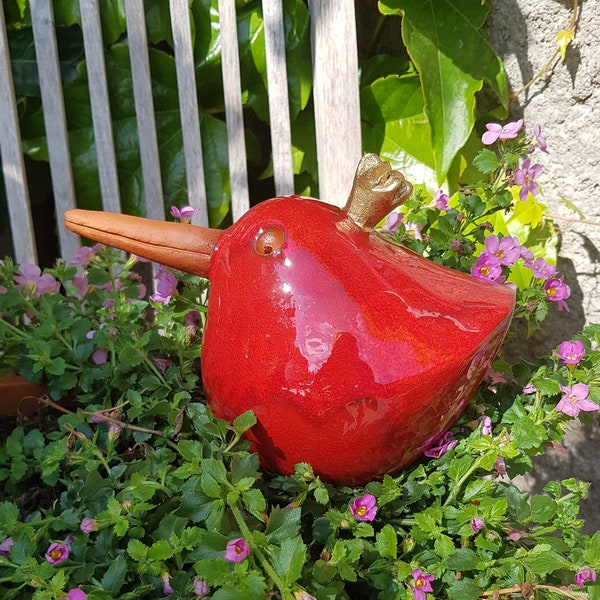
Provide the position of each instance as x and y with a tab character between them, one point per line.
566	103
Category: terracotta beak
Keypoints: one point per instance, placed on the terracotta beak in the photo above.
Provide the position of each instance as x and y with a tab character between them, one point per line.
185	247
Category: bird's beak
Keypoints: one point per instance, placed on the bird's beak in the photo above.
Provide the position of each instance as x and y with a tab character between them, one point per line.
185	247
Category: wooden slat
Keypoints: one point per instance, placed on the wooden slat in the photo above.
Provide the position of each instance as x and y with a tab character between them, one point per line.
42	20
279	112
233	109
336	96
103	131
144	108
13	167
188	106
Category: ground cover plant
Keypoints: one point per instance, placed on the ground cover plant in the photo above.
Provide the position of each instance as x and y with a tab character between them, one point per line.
140	492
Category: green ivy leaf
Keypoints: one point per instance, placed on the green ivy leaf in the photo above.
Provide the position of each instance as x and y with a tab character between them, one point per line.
445	42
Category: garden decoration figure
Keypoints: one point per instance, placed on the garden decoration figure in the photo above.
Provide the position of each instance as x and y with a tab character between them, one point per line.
354	353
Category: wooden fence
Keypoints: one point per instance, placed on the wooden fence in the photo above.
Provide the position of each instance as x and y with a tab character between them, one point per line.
336	101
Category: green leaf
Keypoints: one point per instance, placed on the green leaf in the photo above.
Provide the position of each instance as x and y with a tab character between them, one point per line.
527	434
543	509
386	542
288	559
465	589
543	560
463	559
445	41
486	161
114	577
161	550
283	523
244	421
137	550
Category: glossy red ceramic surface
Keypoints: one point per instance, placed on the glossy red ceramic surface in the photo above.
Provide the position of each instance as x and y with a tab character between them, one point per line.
352	352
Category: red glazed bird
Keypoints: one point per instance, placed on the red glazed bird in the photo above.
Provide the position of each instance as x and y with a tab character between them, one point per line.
353	352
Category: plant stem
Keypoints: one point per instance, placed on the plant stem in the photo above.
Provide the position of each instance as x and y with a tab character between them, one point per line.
262	559
454	491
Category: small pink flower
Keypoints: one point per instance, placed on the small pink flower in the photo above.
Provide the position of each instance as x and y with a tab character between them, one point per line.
441	200
538	140
525	177
191	321
515	536
166	286
75	594
486	425
237	550
85	254
30	278
185	214
500	467
586	574
88	525
507	250
393	221
5	546
421	584
364	508
200	587
570	352
495	131
488	267
100	356
303	595
557	291
167	589
442	445
477	524
58	552
414	230
162	364
575	399
541	269
529	389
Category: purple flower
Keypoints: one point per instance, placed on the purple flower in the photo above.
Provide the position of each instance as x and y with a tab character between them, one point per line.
421	584
162	364
58	552
486	425
237	550
414	230
200	587
500	467
191	320
487	266
538	140
393	221
30	278
441	200
364	508
586	574
166	286
507	250
185	214
5	546
88	525
85	254
557	291
442	445
167	589
495	131
541	269
477	524
525	177
575	400
570	352
75	594
529	389
100	356
303	595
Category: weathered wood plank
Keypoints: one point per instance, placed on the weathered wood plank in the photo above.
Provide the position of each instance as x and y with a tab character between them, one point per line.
55	122
13	167
188	106
336	96
279	112
101	117
144	108
230	62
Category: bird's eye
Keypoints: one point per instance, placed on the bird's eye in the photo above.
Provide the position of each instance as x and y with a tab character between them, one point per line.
269	241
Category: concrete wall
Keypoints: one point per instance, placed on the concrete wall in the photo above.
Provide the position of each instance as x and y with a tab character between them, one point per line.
566	102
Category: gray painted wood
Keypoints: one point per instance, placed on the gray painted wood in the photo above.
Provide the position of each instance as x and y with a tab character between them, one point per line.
144	108
13	167
103	131
188	105
233	109
55	122
336	96
279	112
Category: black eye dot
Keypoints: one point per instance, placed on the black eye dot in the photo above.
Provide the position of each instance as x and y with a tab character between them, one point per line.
269	241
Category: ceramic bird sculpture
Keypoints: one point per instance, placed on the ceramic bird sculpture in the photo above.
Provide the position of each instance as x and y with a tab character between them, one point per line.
353	352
